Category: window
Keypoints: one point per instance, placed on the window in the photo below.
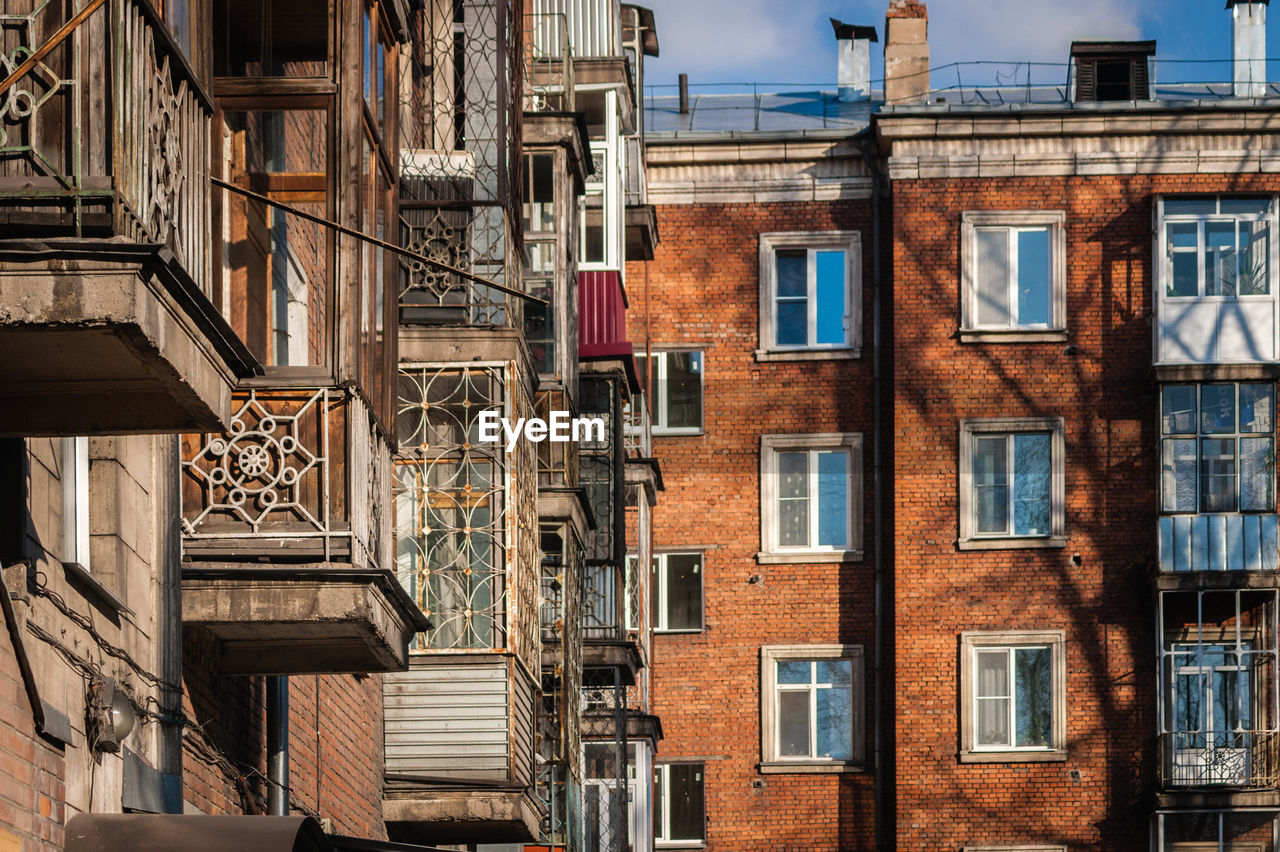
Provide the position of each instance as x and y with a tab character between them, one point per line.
810	497
679	813
674	381
540	252
1013	696
1218	448
270	38
1014	275
677	592
75	501
810	295
1012	483
811	708
1216	246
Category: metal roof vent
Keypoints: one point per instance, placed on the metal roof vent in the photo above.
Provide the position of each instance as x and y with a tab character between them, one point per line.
853	60
1111	70
1248	48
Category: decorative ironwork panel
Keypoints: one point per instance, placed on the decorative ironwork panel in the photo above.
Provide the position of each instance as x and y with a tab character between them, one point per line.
114	101
600	465
307	465
524	571
451	503
557	460
475	239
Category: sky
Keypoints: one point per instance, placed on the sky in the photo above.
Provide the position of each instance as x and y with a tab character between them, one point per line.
775	42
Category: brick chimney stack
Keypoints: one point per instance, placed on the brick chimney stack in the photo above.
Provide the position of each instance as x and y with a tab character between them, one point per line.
906	52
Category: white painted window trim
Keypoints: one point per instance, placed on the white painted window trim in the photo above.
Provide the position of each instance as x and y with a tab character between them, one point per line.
770	551
973	640
658	403
75	502
1165	269
660	614
665	807
848	241
770	656
969	428
970	222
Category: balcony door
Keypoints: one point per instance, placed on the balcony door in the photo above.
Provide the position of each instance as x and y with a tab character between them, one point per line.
1212	714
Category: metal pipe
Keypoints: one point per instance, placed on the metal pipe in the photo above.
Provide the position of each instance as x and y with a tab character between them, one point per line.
867	146
278	745
684	94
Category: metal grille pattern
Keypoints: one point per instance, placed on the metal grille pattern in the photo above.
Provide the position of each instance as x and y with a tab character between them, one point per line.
557	460
476	239
451	502
605	765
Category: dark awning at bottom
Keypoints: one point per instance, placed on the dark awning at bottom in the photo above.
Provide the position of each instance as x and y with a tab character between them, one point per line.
194	833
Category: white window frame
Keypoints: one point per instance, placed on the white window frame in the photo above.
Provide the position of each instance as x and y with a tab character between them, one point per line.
972	428
770	761
1165	263
660	587
770	551
75	501
657	361
970	643
662	837
1013	221
850	242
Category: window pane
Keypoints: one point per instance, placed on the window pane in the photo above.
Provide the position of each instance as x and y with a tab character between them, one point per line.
1256	408
830	291
684	591
539	198
834	724
1217	408
686	801
1034	275
1178	475
270	38
793	723
1033	700
1257	474
793	322
684	390
1181	238
794	671
993	674
833	499
992	689
990	485
1178	410
792	267
993	276
793	475
1031	484
1220	258
1217	475
1255	258
838	672
1190	205
1245	205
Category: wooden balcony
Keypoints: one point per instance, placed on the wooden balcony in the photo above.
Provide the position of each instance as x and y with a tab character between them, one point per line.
105	261
287	538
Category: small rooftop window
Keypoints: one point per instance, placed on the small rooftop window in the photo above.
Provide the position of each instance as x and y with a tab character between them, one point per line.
1111	70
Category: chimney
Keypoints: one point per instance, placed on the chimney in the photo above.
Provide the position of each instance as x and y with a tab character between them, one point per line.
1249	47
853	60
906	52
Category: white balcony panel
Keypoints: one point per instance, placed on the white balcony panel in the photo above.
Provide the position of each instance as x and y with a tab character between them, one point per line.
1231	331
1218	543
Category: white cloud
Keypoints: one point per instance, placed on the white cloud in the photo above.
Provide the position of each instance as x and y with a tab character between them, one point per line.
1036	30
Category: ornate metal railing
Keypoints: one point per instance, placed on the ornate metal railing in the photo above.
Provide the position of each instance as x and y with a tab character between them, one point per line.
548	63
561	718
603	613
108	135
303	475
637	436
1242	759
466	510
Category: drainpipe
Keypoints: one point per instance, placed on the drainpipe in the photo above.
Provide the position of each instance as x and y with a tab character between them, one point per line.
278	745
870	152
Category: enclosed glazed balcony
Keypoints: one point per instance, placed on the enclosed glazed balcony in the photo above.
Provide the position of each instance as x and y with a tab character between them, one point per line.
286	523
109	322
1252	830
460	725
1219	719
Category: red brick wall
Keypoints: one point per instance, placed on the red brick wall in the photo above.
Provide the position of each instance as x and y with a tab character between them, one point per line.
1102	796
31	770
335	744
703	290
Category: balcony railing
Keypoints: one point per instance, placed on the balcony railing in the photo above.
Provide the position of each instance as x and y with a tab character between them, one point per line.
302	475
108	135
557	460
548	63
603	613
1219	543
638	435
602	315
1241	759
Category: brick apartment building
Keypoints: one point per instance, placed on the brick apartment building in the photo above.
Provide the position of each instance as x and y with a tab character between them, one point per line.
1073	606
